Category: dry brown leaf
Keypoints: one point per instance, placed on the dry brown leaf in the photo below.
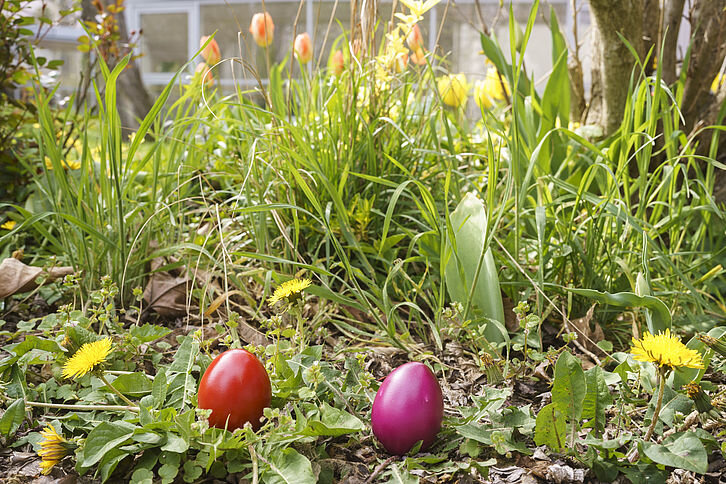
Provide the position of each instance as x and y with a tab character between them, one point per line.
18	277
587	336
510	319
166	294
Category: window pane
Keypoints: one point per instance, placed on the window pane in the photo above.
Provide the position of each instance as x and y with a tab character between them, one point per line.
164	42
229	19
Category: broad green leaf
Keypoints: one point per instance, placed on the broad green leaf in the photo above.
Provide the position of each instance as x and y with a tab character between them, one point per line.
464	255
661	316
550	428
148	332
30	343
183	384
288	467
500	438
13	417
109	462
597	399
105	437
569	387
682	450
175	443
159	388
132	384
334	423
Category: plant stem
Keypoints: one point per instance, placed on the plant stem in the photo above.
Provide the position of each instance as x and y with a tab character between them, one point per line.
62	406
253	456
115	390
659	403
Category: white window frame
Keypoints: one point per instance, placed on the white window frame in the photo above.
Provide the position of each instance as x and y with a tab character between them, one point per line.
135	8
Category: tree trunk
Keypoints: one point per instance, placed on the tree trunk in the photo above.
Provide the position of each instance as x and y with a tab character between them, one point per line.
612	60
135	99
672	25
708	29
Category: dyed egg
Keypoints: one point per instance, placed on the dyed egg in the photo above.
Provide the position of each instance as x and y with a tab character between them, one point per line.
408	407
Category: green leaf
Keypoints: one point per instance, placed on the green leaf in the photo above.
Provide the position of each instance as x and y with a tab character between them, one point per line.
682	450
109	462
192	471
105	437
597	399
334	423
13	417
30	343
183	384
288	467
175	443
568	389
168	472
499	438
550	428
400	475
661	316
465	253
159	388
132	384
148	332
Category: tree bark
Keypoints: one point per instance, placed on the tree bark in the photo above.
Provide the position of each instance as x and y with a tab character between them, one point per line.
612	60
708	31
651	32
135	99
672	25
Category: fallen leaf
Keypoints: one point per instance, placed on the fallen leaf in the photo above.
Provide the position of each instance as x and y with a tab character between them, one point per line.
18	277
589	332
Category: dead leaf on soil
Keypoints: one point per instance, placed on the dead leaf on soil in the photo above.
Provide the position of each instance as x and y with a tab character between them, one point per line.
18	277
589	337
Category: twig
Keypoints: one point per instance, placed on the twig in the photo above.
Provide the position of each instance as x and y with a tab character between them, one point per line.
381	467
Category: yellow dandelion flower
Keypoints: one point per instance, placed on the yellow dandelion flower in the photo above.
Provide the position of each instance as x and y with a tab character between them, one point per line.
290	290
53	448
87	358
9	225
665	349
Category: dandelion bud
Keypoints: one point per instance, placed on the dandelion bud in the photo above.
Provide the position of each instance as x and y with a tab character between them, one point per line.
303	48
210	53
490	368
717	345
262	29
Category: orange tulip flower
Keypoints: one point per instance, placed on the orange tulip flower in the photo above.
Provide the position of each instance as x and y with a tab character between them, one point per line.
205	72
303	48
415	39
210	53
262	29
338	62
